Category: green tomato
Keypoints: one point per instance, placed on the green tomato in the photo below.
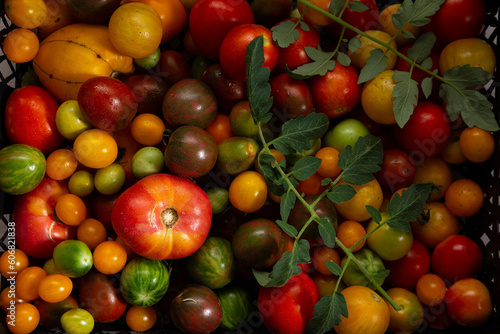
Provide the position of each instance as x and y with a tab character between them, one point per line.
147	161
81	183
110	179
390	244
77	321
345	133
70	121
150	61
72	258
370	261
50	267
219	198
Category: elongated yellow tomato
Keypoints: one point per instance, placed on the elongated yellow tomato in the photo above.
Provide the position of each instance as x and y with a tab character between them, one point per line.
75	53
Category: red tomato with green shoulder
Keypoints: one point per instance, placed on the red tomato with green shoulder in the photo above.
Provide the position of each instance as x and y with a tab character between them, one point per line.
426	133
289	308
457	19
163	216
211	20
232	52
468	302
30	118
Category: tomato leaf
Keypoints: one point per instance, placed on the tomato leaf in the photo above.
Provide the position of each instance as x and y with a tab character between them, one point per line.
341	193
426	86
376	215
343	59
285	33
304	26
407	207
299	131
405	96
258	87
287	228
327	313
287	266
375	64
336	6
357	6
381	273
321	62
305	167
359	162
461	98
327	232
422	47
333	267
269	169
416	13
354	44
287	203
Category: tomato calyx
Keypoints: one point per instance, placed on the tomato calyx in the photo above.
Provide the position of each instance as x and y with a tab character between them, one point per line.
424	217
169	217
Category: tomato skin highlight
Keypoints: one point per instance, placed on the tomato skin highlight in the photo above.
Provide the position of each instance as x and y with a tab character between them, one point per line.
163	216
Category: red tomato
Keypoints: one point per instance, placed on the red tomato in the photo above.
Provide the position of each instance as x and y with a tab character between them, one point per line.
163	216
291	97
211	20
468	302
456	257
289	308
457	19
426	133
396	171
337	92
405	272
232	52
30	118
294	55
37	231
365	20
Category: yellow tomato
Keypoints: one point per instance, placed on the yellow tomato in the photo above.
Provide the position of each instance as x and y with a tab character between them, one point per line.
359	56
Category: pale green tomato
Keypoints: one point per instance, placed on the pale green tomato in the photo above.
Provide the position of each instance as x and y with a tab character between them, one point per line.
110	179
150	61
147	161
81	183
70	121
345	133
219	199
77	321
50	267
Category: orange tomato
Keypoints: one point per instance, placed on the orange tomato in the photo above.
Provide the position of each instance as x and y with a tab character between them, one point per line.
141	319
329	162
27	319
360	55
95	148
464	197
54	288
173	15
71	209
431	289
109	257
369	193
323	254
61	164
27	14
452	152
314	17
12	262
21	45
368	312
91	232
220	128
350	232
147	129
377	99
312	185
248	191
437	171
477	144
386	25
8	297
27	282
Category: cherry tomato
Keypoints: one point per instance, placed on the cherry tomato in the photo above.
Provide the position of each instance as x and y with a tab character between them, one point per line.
95	148
469	302
26	319
248	191
12	262
109	257
431	289
71	209
396	171
27	282
411	315
477	145
456	257
92	232
464	197
141	319
475	52
54	288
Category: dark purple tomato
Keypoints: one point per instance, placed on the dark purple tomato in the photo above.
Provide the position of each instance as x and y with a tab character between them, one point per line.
108	103
196	309
291	97
300	215
295	55
228	91
212	264
189	102
268	12
258	243
191	152
149	91
100	295
173	67
396	171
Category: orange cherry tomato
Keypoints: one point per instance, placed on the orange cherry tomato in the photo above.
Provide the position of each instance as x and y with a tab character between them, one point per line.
109	257
21	45
477	144
92	232
27	318
71	209
431	289
329	162
61	164
54	288
12	262
323	254
464	197
27	282
140	318
350	232
248	191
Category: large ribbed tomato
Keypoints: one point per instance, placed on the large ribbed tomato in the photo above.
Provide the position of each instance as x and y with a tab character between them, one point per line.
163	216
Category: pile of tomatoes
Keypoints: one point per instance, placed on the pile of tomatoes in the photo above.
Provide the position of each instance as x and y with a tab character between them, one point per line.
152	196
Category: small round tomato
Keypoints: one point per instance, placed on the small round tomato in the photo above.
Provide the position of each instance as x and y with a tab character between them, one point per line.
405	272
26	318
95	148
329	166
312	16
27	14
370	261
71	209
345	133
464	197
54	288
141	318
411	315
289	308
77	321
21	45
232	52
386	24
220	128
361	54
27	282
477	145
248	191
369	193
469	302
475	52
434	170
110	179
456	257
92	232
457	19
431	289
109	257
389	243
12	262
61	164
291	97
377	99
351	233
426	133
396	171
323	254
73	258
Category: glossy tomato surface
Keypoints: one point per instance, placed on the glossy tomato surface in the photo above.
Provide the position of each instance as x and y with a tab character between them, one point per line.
163	216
